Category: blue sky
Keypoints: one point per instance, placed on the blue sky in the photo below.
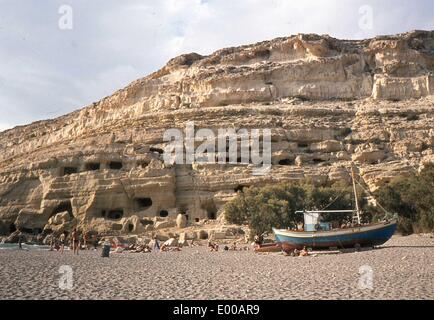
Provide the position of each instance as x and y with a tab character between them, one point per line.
46	71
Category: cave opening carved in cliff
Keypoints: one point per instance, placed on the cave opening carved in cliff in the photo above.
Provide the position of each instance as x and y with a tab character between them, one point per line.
12	228
210	208
115	214
286	162
156	150
240	188
63	207
93	166
66	171
115	165
144	203
163	213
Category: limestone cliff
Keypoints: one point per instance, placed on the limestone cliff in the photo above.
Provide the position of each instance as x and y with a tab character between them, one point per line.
327	101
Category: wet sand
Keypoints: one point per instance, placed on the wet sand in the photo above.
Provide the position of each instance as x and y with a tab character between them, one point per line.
402	269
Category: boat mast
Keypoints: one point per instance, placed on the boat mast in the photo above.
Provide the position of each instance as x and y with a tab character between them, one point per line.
355	193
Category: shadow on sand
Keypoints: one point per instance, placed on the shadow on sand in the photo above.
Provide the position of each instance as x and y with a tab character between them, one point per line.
417	247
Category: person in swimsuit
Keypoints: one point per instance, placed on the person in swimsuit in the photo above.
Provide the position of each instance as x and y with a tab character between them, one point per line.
85	240
62	242
75	241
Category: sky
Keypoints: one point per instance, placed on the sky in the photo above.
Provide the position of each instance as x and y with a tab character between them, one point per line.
59	56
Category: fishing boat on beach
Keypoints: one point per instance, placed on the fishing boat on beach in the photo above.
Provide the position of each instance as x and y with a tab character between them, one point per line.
318	234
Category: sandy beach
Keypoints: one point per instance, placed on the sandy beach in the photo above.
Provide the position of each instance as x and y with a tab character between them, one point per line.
401	269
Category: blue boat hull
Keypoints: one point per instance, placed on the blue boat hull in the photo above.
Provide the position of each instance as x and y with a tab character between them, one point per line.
372	235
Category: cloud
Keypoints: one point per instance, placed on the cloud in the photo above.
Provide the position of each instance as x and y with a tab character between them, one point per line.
47	72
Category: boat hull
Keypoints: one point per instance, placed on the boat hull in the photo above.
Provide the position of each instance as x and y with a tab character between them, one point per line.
371	235
269	247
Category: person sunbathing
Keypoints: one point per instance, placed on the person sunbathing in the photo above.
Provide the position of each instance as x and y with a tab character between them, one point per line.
213	246
304	252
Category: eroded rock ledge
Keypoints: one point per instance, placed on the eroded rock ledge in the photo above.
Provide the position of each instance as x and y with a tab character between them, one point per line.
327	102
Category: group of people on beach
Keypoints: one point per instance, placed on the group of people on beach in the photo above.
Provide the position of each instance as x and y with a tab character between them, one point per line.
77	241
214	246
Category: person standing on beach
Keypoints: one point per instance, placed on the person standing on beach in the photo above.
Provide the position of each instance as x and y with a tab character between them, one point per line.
156	246
52	240
20	246
95	242
62	242
75	241
84	240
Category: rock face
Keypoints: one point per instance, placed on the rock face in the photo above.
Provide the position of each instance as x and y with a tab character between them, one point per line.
326	101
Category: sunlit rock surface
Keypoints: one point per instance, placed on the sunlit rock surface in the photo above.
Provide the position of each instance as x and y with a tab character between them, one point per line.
327	102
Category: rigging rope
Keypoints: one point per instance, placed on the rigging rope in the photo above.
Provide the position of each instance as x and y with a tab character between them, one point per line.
370	194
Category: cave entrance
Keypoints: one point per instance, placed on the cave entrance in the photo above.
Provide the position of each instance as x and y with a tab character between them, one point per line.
69	170
130	227
62	207
35	231
156	150
12	228
240	188
115	165
286	162
317	160
115	214
27	230
210	209
144	203
93	166
163	213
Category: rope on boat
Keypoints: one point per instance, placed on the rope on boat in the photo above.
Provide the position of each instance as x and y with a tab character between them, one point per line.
369	193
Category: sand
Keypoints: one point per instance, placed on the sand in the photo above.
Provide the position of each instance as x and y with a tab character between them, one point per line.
402	269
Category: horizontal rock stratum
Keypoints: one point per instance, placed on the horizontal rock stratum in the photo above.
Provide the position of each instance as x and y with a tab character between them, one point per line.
327	102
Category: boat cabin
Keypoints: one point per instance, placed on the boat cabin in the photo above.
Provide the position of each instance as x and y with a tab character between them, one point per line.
312	222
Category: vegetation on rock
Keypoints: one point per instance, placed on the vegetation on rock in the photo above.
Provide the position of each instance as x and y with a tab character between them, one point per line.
275	205
262	208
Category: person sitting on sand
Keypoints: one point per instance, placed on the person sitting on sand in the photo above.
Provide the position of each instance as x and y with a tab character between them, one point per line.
164	247
256	240
213	246
234	246
304	252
